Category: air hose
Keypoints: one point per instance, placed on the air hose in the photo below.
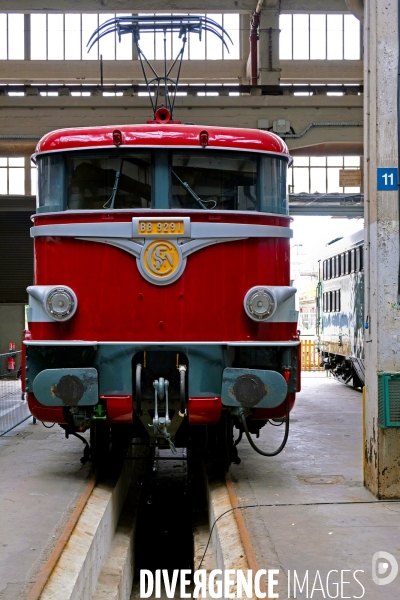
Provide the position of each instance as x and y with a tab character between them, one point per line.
285	437
182	390
138	389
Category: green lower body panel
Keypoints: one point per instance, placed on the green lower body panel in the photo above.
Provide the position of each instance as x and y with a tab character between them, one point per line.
67	387
253	388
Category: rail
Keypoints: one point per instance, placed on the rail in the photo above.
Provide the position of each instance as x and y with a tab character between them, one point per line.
310	359
13	406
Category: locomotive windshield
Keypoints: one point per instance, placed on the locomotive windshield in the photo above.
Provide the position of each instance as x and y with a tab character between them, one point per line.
178	179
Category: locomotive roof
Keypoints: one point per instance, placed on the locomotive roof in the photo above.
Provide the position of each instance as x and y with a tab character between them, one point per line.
164	135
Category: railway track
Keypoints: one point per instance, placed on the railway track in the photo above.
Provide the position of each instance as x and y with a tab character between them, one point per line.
156	514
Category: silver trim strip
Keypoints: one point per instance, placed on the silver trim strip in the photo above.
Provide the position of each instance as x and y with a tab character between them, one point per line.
235	230
139	343
126	230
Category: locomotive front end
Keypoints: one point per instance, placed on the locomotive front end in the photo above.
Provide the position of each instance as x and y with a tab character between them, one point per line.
162	300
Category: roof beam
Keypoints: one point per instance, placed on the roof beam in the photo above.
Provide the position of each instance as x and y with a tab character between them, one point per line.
224	71
77	6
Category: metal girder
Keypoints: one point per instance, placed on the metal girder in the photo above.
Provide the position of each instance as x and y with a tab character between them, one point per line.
76	6
335	205
122	71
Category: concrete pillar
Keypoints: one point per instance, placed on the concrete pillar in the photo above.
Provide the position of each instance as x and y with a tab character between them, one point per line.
268	45
382	446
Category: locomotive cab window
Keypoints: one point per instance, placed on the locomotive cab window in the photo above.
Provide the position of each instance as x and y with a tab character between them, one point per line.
109	181
228	181
94	181
51	182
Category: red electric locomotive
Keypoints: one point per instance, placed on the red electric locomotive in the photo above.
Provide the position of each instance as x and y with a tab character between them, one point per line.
162	297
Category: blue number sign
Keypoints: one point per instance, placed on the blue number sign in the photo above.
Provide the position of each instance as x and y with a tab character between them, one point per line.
387	179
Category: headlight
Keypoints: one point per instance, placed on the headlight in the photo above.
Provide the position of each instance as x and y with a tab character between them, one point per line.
259	304
61	303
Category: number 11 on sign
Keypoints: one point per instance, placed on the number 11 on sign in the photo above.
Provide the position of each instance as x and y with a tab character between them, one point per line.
387	179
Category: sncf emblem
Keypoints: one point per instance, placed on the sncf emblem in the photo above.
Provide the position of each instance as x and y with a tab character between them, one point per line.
161	261
161	258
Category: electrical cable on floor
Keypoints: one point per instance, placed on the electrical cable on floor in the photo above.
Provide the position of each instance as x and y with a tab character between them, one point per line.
291	504
47	426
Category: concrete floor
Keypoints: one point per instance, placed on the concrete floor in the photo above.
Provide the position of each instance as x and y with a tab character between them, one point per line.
41	481
322	462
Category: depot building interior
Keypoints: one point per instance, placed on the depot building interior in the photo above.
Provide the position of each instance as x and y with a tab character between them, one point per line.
313	73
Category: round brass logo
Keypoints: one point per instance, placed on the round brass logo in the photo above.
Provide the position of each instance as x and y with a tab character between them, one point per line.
161	258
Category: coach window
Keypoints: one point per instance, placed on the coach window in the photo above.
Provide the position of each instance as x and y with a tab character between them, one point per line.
353	260
347	262
358	252
337	265
338	300
342	265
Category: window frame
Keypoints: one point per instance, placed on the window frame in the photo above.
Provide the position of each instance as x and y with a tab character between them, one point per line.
161	158
308	47
9	168
96	51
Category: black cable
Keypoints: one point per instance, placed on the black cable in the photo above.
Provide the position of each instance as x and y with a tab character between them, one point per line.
291	504
285	437
270	421
47	426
